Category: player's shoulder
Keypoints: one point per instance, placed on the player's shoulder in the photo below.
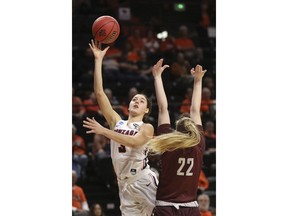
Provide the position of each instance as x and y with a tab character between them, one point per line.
147	125
147	128
120	123
164	128
200	127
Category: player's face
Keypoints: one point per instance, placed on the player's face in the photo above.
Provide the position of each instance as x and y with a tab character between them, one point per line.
138	105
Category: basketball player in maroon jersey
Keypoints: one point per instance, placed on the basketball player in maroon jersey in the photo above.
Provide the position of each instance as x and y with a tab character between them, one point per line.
181	151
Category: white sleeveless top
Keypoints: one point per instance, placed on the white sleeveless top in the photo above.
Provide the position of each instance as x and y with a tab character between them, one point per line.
128	161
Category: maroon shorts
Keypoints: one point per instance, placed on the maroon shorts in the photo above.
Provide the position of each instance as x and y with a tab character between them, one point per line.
172	211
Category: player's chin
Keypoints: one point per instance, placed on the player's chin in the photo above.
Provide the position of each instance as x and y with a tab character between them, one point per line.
135	112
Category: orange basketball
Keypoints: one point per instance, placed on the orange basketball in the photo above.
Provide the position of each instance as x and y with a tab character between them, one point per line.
105	29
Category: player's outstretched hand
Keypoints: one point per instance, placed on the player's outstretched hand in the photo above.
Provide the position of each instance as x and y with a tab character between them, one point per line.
96	49
158	68
198	72
93	125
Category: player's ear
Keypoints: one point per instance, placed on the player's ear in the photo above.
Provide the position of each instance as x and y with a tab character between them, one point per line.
147	110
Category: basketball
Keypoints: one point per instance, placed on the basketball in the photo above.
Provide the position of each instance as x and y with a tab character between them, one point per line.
105	29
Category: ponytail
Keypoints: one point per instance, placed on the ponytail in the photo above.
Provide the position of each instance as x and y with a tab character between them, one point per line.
186	135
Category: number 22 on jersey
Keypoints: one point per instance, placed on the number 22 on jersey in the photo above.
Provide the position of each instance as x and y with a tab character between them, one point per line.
183	162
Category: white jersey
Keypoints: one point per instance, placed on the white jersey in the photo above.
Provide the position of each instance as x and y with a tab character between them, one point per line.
128	161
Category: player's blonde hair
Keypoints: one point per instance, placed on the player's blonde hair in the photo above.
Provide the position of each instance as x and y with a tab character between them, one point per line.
186	135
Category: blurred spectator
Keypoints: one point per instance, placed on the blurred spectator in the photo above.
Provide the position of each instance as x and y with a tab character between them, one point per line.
186	45
113	100
183	41
113	51
144	67
91	105
210	136
96	210
75	164
209	83
208	106
203	183
79	201
79	152
209	130
136	40
168	48
205	19
77	107
111	67
128	63
98	150
130	53
180	71
151	45
92	110
206	101
185	105
204	204
97	147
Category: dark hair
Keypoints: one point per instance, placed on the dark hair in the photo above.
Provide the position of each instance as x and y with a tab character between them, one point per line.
149	105
91	211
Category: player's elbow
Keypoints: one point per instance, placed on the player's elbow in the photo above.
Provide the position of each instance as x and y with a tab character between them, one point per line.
162	109
99	94
136	142
195	112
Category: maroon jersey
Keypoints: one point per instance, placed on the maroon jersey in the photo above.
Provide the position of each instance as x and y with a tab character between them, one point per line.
180	170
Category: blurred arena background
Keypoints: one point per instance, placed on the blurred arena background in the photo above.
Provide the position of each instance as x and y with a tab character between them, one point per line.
184	34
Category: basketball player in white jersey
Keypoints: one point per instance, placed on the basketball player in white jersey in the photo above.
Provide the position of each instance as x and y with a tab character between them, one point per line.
137	183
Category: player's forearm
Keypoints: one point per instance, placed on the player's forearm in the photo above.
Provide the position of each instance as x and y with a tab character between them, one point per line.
98	83
101	97
126	140
160	94
196	97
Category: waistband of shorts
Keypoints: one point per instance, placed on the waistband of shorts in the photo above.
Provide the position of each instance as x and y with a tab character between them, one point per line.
176	205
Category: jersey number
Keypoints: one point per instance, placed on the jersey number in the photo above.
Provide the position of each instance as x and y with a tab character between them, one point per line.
183	162
122	149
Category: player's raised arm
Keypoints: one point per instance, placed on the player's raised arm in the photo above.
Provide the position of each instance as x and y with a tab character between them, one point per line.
163	113
195	113
105	106
142	137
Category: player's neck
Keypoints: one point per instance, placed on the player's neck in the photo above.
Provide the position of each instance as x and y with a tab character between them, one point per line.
134	119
